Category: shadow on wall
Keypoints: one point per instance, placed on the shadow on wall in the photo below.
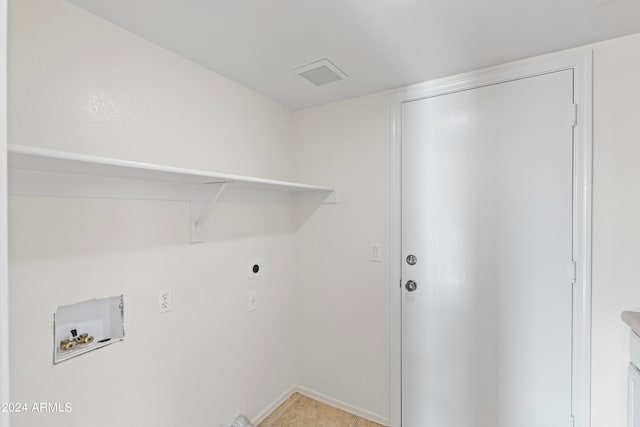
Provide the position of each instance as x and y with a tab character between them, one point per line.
307	204
43	227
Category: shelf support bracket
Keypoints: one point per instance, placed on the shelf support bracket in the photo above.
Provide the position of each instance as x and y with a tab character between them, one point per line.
200	210
332	198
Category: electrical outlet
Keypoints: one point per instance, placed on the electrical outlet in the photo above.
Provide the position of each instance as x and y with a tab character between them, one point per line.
164	302
253	303
255	268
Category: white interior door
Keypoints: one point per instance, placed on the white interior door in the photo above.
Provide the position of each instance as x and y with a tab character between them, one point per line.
487	212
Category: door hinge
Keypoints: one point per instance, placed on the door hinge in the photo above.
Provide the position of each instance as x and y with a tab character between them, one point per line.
572	423
574	271
574	114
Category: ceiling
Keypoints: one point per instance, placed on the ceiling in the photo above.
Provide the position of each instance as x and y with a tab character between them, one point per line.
379	44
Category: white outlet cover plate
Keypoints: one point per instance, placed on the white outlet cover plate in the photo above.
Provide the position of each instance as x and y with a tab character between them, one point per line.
255	261
164	300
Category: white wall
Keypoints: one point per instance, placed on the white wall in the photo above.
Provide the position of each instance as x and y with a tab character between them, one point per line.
79	83
343	297
616	225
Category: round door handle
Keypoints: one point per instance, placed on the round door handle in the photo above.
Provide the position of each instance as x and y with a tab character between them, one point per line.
411	286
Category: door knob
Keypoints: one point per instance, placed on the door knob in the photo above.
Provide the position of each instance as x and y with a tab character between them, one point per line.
411	286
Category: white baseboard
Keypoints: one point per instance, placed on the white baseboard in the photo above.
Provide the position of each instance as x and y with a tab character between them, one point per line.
272	407
342	405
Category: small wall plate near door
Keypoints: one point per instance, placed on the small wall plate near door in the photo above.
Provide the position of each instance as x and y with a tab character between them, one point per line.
376	256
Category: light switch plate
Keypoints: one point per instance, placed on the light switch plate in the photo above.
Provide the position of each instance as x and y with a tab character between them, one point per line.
376	256
253	300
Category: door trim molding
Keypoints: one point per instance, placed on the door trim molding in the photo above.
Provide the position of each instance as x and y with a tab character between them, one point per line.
580	61
4	250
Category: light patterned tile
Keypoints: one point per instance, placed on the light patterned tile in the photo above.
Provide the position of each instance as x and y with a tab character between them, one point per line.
311	413
268	422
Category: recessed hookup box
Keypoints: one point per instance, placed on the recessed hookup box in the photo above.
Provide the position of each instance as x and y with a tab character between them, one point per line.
87	326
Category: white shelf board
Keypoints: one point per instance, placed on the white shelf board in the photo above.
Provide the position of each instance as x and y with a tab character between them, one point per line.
46	160
35	171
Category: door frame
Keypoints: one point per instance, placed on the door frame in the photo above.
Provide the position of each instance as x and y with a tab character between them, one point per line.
4	237
580	61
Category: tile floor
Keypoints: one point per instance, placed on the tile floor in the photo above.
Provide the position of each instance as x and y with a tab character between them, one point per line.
302	411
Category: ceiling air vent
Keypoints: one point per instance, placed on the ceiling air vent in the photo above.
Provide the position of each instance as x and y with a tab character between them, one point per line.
321	72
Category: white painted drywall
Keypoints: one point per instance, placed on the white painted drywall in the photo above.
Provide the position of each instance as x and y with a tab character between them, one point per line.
616	221
343	297
79	83
4	285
